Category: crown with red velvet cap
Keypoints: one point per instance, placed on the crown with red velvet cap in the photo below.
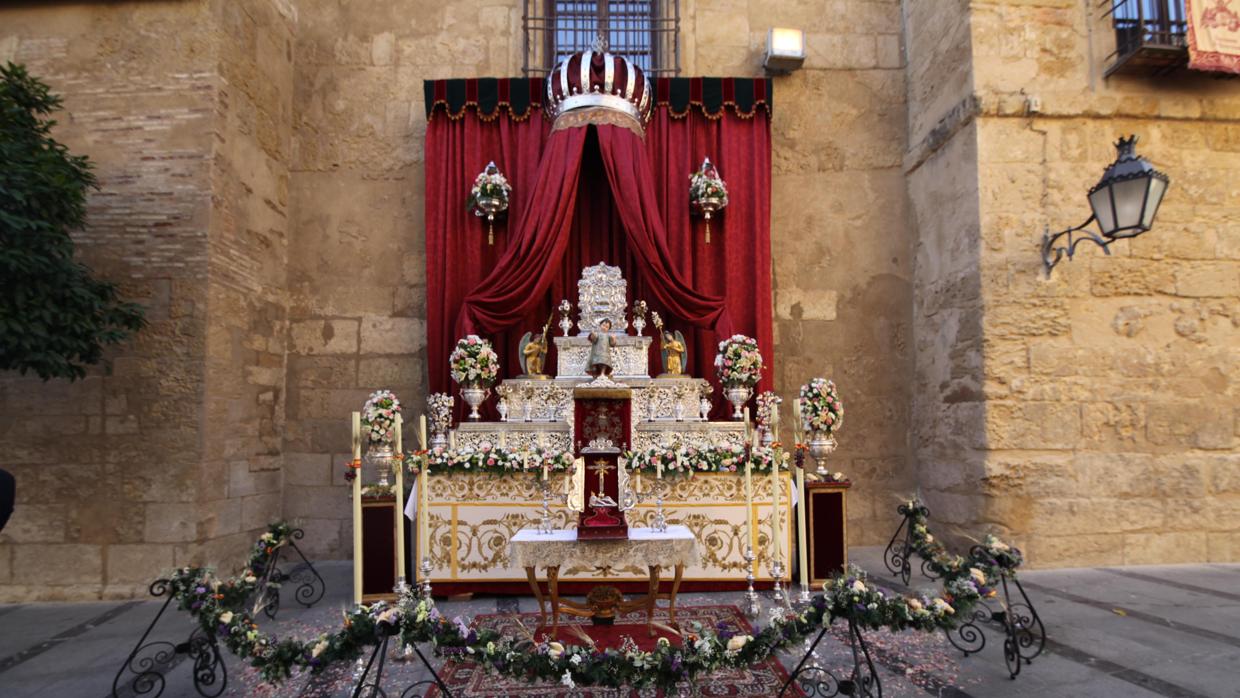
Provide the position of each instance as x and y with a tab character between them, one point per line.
598	80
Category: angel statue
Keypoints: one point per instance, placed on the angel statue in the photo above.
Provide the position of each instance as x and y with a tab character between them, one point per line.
673	349
601	342
534	352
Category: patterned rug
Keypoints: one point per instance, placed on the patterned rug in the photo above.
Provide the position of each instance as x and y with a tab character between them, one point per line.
468	680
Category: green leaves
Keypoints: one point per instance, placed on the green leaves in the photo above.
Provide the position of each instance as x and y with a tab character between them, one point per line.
55	319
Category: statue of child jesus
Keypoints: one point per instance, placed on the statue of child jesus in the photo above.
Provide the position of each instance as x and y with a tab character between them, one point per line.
601	342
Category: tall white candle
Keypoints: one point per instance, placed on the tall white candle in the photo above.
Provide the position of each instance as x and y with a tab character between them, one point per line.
776	549
503	439
424	514
357	507
798	426
452	440
802	552
749	530
400	500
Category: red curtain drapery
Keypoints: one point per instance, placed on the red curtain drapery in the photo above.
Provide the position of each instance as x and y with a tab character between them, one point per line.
600	188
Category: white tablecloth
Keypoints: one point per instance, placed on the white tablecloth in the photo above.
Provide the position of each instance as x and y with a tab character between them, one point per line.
645	547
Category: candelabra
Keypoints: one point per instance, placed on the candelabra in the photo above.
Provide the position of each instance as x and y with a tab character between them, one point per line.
753	607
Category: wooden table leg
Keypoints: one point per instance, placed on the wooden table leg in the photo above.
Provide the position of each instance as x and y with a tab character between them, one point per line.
553	586
651	598
671	602
532	575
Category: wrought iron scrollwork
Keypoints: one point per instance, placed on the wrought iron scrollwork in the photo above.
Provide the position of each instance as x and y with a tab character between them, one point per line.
310	589
968	636
819	682
1026	636
149	662
897	555
372	687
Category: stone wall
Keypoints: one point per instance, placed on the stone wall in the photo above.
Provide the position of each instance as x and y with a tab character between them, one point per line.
169	453
261	191
1111	404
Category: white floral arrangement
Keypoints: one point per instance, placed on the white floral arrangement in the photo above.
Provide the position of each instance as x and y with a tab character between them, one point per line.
706	184
821	409
440	407
738	363
379	416
768	404
474	361
491	184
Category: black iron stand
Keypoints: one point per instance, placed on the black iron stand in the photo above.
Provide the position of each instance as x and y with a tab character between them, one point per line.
897	555
814	680
1024	633
311	585
372	688
150	661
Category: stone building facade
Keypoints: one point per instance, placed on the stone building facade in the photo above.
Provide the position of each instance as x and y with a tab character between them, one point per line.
260	164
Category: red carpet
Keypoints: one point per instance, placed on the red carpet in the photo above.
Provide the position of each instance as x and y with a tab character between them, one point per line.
466	680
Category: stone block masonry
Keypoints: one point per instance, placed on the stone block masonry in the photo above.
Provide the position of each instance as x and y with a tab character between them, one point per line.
262	189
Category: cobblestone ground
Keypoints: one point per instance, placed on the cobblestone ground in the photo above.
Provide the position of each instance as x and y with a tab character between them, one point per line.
1131	632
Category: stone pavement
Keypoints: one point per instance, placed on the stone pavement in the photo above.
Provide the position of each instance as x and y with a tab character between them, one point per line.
1129	632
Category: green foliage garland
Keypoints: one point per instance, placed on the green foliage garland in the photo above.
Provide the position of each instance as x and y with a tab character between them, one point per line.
217	606
55	319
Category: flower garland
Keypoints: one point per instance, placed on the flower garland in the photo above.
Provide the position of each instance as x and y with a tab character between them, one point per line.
738	363
474	361
492	460
821	409
994	553
217	606
379	416
687	460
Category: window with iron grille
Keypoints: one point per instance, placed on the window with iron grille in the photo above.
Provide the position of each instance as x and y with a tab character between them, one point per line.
1151	36
647	32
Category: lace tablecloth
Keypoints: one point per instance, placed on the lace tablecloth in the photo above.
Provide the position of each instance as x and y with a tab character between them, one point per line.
645	547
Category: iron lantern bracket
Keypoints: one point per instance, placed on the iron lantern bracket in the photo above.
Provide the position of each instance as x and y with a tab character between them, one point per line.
1051	255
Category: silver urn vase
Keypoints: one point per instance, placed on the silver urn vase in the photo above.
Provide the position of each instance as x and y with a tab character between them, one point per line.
738	395
473	394
380	454
821	444
768	436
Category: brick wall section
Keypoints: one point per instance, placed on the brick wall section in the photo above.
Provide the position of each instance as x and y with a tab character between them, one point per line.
247	329
107	467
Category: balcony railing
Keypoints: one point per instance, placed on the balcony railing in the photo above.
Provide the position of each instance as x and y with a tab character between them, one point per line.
1151	36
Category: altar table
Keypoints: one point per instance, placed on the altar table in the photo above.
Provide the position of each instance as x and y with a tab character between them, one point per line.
645	547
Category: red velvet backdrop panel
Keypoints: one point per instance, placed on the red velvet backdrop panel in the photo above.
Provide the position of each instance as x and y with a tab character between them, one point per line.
737	262
736	265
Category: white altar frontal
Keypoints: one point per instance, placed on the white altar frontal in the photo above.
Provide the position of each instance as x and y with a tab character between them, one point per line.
473	516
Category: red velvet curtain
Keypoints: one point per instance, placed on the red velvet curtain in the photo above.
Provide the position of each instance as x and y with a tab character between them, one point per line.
577	223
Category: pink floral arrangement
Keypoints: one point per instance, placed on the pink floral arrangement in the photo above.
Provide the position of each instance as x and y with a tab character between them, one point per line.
821	408
474	361
738	363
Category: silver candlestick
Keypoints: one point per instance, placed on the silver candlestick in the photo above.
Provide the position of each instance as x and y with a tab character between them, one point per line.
426	579
660	521
805	596
777	572
565	324
753	607
544	519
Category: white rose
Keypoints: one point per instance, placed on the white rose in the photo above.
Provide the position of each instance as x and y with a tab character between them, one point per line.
554	650
319	648
858	586
226	617
737	642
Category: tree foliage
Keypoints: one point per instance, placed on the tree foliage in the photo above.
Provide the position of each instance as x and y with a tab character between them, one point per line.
54	317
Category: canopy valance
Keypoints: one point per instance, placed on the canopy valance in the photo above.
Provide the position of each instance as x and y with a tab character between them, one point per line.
488	97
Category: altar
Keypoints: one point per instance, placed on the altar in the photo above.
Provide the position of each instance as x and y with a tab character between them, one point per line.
472	516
